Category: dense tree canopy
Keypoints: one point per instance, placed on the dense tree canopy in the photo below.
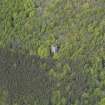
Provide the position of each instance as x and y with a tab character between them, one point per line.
77	27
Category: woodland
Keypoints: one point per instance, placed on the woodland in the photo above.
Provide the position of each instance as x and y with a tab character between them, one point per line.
30	74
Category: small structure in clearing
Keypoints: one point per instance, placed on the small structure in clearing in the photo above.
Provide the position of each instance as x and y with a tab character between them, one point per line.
54	49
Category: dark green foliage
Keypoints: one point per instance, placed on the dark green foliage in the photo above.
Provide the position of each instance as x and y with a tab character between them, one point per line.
78	27
23	79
